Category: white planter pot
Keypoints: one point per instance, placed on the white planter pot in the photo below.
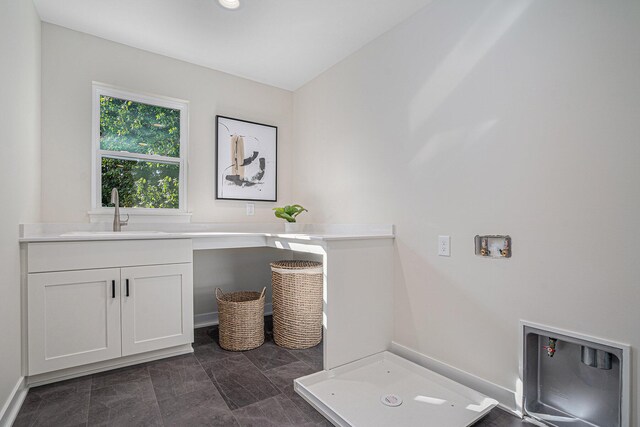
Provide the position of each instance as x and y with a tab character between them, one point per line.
293	227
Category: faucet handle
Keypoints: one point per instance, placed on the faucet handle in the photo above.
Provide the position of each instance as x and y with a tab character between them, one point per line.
125	222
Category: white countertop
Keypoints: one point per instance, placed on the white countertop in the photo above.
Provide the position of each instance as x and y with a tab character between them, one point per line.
32	233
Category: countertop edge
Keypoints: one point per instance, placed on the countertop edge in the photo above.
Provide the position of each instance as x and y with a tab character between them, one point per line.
204	235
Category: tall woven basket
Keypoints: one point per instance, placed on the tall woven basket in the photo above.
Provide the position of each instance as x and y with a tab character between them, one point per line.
241	316
297	303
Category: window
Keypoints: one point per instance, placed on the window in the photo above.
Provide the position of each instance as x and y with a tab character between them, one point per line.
140	146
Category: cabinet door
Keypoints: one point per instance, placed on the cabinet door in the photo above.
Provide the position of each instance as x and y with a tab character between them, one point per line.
157	307
73	319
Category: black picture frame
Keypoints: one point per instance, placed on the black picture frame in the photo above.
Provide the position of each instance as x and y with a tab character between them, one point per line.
264	140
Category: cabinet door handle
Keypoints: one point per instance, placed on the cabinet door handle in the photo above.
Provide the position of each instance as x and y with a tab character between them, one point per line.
113	289
127	285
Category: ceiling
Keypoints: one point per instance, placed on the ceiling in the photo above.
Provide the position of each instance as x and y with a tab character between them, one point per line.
284	43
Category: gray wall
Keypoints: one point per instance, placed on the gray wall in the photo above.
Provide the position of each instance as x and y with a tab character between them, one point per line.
20	171
72	60
489	117
245	269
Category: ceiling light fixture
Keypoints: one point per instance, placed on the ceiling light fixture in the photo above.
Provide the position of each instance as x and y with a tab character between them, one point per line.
230	4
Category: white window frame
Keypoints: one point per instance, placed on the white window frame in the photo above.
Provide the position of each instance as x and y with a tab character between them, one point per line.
100	89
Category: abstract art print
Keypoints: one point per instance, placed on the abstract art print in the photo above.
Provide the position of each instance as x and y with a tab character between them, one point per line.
246	160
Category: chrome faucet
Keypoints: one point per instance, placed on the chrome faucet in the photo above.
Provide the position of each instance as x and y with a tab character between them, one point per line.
117	222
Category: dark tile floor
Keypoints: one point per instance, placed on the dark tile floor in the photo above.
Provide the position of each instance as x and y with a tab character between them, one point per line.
211	387
500	418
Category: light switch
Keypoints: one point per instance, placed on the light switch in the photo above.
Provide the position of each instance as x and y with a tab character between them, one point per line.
444	244
250	209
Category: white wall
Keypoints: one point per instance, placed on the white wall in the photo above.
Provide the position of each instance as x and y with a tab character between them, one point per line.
478	117
231	270
20	171
245	269
72	60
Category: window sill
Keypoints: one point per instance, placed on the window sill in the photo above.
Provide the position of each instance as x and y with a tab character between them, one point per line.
141	215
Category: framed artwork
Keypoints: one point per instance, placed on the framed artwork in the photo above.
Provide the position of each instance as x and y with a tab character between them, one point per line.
246	160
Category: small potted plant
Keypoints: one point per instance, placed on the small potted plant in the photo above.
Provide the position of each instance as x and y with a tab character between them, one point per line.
289	213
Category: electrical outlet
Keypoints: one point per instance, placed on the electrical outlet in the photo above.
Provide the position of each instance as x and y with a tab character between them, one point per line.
444	245
250	209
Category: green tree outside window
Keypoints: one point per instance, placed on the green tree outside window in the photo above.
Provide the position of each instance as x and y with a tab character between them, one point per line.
132	127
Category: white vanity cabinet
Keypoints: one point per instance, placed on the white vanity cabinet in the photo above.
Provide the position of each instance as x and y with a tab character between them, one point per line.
92	301
157	307
74	318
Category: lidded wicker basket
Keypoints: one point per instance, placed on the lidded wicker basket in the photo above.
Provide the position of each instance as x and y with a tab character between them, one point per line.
297	303
241	316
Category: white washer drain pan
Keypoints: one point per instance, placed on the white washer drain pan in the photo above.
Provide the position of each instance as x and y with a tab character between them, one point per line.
350	395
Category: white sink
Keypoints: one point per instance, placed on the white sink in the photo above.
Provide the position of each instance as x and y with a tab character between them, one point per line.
112	233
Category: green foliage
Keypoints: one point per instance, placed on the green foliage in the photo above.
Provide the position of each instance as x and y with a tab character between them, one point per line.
133	127
141	184
289	212
139	128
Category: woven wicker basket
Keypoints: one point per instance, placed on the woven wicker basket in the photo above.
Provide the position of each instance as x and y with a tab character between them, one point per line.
241	316
297	303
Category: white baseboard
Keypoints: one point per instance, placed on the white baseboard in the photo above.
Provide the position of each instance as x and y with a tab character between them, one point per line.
107	365
505	397
12	406
210	319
